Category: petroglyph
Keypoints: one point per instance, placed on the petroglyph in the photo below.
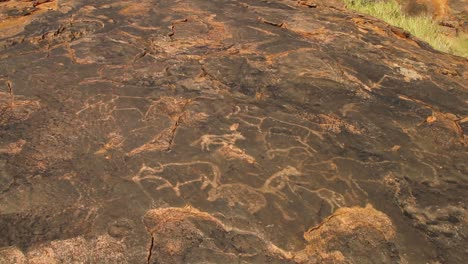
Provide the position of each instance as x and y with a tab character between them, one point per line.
179	232
269	119
224	140
239	194
114	141
174	176
230	152
183	174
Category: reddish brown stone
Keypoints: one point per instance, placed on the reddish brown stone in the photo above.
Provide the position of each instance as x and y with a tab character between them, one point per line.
223	131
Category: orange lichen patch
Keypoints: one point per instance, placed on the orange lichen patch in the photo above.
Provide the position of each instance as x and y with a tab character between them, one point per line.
349	220
329	241
155	219
366	25
41	256
12	255
431	119
29	10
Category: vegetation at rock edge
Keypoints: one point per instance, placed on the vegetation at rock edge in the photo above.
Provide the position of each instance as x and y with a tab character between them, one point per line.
422	26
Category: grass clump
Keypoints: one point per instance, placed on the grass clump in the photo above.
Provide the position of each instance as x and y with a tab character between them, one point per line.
423	26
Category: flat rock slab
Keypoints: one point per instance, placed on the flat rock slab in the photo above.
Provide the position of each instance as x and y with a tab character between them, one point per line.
227	131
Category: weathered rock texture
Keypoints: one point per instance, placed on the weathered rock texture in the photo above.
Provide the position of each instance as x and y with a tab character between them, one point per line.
226	131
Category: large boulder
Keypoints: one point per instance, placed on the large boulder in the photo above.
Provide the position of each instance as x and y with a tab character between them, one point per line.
195	131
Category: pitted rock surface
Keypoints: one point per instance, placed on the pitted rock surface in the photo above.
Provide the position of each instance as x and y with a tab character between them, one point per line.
233	131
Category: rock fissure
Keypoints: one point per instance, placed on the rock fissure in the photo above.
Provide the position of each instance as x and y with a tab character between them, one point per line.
150	250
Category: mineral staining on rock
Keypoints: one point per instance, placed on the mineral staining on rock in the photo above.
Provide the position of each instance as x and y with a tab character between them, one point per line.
350	234
278	132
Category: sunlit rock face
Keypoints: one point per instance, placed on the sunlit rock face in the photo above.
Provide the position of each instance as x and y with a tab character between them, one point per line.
226	131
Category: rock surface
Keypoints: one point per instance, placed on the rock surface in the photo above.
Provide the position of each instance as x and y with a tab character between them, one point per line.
233	131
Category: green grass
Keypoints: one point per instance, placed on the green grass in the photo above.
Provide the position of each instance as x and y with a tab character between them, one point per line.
423	27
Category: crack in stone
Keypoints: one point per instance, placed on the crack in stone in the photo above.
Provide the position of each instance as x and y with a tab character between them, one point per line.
176	125
150	252
173	24
271	23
